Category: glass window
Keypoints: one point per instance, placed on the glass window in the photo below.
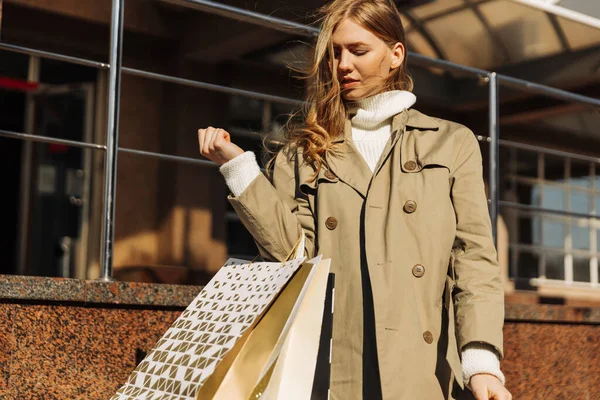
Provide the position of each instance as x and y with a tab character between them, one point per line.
579	201
553	233
553	198
580	235
555	265
581	269
528	230
528	263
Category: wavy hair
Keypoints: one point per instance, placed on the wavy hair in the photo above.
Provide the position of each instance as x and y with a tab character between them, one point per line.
324	113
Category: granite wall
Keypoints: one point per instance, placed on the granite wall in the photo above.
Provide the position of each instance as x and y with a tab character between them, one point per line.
71	339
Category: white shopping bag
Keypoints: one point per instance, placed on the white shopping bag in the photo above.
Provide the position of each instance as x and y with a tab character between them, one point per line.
232	342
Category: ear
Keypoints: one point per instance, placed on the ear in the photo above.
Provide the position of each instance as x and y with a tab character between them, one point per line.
397	55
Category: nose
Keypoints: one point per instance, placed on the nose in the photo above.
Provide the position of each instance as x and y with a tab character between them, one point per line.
344	63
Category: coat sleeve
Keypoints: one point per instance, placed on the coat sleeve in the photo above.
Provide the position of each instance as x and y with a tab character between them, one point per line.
275	213
478	295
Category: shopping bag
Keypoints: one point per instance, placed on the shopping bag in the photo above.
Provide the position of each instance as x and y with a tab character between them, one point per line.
229	340
303	366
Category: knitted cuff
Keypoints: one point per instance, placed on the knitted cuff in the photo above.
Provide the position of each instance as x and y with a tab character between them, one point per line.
240	171
479	358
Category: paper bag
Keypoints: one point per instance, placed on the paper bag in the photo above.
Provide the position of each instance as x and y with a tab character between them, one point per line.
229	340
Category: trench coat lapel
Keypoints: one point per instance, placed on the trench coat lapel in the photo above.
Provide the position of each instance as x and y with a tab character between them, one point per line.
398	125
348	164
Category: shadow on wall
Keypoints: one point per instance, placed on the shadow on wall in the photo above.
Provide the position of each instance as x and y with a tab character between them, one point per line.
169	222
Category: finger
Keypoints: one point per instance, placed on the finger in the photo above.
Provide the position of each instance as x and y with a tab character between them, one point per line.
201	137
206	146
480	393
502	395
221	138
214	134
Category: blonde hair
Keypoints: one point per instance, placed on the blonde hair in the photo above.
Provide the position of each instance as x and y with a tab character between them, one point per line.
325	111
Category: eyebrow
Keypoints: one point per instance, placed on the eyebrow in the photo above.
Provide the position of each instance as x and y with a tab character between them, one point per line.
352	45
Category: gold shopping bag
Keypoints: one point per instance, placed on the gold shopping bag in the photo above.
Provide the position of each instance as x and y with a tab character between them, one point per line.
228	342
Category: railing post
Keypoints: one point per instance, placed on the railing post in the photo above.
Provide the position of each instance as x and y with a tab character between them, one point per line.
494	153
112	137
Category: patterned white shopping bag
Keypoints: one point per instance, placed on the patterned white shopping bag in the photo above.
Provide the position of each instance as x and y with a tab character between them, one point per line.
219	331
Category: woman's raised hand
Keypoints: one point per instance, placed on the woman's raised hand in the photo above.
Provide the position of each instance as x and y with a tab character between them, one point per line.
215	144
488	387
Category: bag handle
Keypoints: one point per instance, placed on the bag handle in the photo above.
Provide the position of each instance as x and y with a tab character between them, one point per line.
296	252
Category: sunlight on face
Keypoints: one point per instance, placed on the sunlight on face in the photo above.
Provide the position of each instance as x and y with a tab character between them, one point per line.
363	61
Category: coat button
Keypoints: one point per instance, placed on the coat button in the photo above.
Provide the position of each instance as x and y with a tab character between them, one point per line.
331	223
329	174
410	165
418	270
410	206
428	336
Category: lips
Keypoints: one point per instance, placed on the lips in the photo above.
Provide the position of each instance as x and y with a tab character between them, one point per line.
346	82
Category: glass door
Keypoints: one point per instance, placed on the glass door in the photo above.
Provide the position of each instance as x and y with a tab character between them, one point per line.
58	205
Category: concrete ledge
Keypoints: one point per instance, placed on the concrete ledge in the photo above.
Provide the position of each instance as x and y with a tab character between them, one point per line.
73	339
27	288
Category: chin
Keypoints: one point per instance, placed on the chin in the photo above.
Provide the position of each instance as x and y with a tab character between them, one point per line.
352	95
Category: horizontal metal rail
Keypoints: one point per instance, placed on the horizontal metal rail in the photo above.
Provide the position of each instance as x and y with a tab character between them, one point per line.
558	153
53	56
45	139
560	94
251	17
424	61
168	157
526	207
415	58
247	133
212	87
539	149
74	143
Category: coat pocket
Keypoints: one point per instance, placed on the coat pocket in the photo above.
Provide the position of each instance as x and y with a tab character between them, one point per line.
422	150
452	356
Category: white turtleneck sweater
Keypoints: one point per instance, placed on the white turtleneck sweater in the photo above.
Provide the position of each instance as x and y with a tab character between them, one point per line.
371	130
372	122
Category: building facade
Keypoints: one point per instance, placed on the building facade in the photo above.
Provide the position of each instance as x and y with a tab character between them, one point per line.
523	75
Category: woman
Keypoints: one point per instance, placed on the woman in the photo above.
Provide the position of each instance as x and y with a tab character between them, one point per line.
396	199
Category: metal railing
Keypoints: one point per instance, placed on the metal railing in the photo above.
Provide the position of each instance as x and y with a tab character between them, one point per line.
115	68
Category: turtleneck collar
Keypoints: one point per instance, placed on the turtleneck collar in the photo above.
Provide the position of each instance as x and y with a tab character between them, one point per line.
374	110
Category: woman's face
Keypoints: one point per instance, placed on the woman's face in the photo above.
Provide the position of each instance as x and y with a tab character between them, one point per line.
363	61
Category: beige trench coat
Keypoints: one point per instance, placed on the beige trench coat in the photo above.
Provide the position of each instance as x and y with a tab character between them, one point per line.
418	229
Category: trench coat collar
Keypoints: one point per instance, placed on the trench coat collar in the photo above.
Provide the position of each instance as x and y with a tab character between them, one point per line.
416	119
350	166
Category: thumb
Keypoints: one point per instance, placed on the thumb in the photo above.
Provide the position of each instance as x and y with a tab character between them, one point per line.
226	136
222	139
